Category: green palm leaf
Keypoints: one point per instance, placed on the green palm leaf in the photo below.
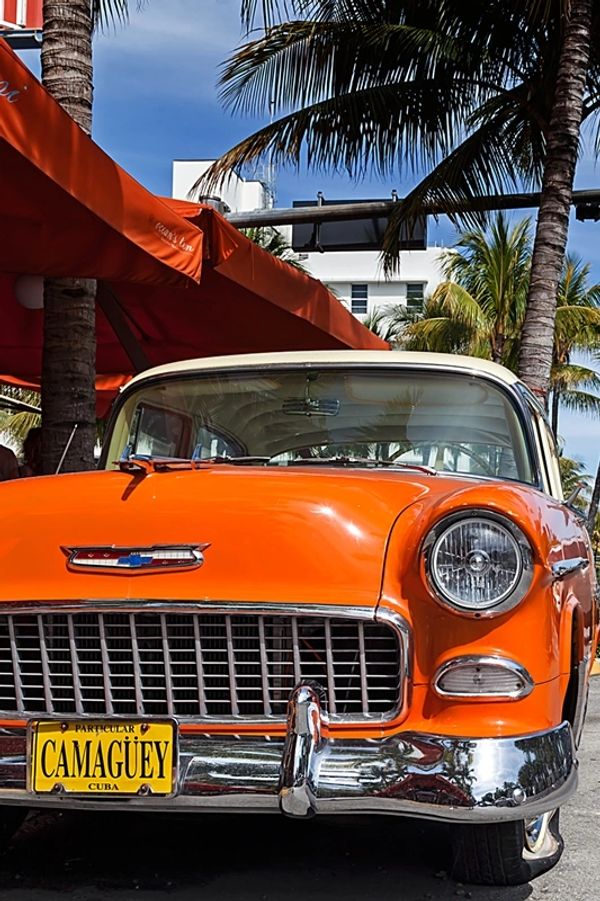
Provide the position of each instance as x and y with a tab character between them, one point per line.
109	13
350	133
566	376
271	240
463	91
581	402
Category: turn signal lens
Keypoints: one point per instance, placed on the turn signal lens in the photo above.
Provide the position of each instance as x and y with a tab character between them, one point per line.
489	677
478	563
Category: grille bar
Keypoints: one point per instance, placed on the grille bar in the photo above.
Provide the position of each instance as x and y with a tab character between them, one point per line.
197	664
16	666
45	666
106	676
75	667
137	676
199	670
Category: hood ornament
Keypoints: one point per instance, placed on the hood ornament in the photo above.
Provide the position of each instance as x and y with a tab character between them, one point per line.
135	558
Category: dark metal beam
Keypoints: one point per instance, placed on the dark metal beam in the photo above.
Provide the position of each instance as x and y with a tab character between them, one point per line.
17	406
110	306
23	38
345	212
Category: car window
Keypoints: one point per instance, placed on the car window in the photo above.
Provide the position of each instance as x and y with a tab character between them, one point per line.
453	422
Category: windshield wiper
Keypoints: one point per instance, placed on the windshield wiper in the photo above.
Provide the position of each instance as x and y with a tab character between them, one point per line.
361	461
233	461
145	463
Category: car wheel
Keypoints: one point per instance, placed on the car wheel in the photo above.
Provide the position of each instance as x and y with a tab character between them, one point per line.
506	853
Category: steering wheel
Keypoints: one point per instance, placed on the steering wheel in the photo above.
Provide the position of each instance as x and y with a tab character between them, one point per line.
471	454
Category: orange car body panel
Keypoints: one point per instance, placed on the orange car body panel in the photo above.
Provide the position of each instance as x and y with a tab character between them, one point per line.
324	536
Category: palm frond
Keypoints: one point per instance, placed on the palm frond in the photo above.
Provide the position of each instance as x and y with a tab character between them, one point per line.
576	328
438	335
110	13
303	62
267	12
383	322
493	265
479	166
573	475
459	306
581	402
17	425
567	376
271	240
370	130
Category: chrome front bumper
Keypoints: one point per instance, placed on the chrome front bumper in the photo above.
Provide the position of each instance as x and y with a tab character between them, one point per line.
437	777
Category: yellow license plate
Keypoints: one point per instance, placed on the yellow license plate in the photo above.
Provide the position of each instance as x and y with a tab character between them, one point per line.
102	757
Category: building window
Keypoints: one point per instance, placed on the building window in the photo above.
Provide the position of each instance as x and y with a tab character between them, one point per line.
360	297
414	296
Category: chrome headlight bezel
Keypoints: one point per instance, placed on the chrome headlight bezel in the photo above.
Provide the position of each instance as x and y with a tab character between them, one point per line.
510	598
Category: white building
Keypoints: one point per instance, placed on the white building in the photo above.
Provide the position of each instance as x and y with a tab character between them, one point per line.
239	194
355	277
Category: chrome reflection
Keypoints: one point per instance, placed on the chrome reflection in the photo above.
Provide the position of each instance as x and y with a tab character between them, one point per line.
304	741
565	568
438	777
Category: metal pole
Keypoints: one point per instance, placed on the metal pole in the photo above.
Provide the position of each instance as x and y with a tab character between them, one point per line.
381	209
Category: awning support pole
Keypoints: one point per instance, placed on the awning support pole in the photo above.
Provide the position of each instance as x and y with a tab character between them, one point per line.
110	306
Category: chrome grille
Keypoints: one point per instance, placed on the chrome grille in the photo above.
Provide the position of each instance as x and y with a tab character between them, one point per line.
195	665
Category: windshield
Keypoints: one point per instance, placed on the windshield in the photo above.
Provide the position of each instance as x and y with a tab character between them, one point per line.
448	421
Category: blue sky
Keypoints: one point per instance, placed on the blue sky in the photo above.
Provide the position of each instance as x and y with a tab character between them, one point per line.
156	100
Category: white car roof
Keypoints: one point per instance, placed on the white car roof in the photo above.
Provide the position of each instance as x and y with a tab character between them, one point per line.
474	365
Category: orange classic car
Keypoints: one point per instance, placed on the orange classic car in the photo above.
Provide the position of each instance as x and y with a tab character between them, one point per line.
320	583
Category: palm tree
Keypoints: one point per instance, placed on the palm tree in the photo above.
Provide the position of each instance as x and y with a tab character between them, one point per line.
576	329
384	321
483	96
536	357
69	350
575	481
480	309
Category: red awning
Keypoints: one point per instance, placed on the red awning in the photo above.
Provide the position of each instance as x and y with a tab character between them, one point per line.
67	209
247	301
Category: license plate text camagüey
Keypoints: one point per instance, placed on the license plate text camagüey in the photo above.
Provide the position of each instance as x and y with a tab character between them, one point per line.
108	757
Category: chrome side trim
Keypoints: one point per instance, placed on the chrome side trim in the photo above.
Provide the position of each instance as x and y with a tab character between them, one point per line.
173	605
565	568
583	688
447	778
473	660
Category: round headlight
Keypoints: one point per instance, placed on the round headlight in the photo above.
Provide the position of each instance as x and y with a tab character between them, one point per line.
479	563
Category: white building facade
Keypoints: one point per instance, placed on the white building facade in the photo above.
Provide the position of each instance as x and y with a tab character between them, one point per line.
356	277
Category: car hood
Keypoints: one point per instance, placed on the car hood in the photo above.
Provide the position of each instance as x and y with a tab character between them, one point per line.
286	535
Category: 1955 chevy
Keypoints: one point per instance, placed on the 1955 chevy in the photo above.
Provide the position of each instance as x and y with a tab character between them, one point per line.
314	583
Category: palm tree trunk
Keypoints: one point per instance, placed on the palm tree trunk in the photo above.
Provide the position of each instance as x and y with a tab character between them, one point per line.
535	359
69	350
555	409
594	503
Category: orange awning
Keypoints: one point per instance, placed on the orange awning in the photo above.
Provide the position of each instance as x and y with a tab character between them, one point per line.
67	209
175	279
247	301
